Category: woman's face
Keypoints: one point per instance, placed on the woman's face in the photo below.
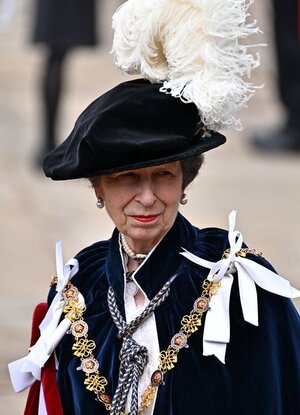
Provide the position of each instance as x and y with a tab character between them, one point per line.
142	203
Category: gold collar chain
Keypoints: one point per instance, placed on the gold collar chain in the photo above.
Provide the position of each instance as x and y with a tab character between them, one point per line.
83	347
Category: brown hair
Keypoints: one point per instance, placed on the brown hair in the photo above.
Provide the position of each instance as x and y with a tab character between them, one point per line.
190	168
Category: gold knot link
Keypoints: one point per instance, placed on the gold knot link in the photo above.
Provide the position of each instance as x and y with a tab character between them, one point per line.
214	287
147	397
95	383
167	359
83	347
210	288
190	323
74	310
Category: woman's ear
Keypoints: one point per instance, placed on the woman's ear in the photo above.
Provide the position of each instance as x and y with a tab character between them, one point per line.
97	188
99	196
98	193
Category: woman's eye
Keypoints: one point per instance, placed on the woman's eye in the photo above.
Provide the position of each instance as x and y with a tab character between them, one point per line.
164	173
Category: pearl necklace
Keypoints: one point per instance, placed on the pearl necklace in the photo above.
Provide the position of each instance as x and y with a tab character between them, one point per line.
137	257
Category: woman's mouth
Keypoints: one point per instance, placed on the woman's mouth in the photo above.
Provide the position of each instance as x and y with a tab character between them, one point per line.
145	219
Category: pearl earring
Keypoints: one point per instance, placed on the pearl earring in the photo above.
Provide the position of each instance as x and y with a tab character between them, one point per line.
183	199
100	203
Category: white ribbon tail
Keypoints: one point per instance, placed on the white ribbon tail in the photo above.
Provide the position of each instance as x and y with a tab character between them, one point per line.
216	333
56	337
217	325
248	295
59	265
267	279
54	312
235	238
21	380
52	317
25	371
64	273
231	220
199	261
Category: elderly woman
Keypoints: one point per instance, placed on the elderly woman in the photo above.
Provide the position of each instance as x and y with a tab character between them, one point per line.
162	318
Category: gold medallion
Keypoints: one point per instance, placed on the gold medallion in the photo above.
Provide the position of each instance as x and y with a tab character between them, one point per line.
79	328
179	341
89	365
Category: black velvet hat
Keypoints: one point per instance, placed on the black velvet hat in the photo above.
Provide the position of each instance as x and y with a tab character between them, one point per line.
133	125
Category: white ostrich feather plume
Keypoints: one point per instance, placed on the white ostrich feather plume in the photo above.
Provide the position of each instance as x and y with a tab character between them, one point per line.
192	47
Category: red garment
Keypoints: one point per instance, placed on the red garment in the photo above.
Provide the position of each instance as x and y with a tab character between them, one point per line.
48	376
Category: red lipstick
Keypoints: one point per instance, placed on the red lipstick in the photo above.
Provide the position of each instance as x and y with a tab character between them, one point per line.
145	219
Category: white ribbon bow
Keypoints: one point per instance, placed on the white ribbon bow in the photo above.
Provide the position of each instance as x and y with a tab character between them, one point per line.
24	372
217	325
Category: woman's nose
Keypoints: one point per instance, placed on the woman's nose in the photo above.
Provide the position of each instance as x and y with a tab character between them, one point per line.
145	194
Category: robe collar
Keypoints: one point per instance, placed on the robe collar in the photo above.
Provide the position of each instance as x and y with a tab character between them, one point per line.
163	263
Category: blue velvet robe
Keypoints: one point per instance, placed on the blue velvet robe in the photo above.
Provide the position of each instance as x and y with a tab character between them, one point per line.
262	371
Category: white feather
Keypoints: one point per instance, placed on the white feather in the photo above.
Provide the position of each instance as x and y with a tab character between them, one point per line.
192	47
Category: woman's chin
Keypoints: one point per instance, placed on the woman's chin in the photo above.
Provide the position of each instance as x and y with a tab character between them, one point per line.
143	239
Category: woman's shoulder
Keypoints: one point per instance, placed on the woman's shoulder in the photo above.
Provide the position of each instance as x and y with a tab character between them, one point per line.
91	268
94	252
209	241
91	262
212	243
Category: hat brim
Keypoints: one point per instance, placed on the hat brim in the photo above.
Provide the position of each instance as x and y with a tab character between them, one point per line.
212	141
132	126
